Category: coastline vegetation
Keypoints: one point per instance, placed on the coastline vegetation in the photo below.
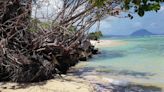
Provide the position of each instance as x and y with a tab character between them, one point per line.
95	35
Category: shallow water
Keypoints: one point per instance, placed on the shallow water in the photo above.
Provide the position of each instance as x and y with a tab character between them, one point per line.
141	60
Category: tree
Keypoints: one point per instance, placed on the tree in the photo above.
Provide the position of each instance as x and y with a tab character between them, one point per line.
95	35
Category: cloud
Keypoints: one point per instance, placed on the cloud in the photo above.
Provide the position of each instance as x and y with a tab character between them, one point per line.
137	25
162	9
153	24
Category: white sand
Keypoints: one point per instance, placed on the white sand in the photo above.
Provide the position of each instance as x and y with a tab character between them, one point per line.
107	43
69	84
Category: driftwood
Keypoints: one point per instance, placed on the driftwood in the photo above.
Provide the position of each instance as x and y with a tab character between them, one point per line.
29	57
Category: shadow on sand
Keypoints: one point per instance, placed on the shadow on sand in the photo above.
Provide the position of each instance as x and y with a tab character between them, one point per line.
14	86
110	71
128	87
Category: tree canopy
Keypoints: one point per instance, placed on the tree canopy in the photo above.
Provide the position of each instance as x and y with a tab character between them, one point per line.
95	35
139	6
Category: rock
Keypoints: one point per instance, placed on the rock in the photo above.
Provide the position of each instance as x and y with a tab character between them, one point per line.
83	58
95	51
4	87
90	55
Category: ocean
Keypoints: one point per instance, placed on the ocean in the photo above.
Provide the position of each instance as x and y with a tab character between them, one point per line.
140	60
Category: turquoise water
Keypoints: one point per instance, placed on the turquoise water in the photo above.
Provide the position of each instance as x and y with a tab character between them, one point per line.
141	60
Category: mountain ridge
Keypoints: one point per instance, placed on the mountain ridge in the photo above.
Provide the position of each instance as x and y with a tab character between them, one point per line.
142	32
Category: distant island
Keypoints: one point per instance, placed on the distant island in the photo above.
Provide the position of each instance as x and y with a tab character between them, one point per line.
142	32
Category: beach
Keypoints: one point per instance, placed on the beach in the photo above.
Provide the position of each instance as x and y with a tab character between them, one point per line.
107	43
81	46
81	79
69	83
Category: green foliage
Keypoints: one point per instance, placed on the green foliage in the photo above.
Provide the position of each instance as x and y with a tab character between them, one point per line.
95	35
31	29
45	25
35	20
141	6
33	25
98	3
72	29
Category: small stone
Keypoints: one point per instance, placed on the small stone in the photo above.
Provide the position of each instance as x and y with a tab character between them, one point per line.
4	87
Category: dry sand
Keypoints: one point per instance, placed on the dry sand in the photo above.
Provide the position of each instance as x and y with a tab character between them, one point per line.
69	84
107	43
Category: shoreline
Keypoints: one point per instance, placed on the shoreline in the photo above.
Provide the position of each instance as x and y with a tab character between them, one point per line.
107	43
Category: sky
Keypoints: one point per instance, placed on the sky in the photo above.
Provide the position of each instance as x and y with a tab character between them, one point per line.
151	21
46	10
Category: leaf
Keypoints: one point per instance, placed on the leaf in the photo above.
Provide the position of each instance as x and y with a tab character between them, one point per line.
127	1
137	2
141	12
98	3
144	1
